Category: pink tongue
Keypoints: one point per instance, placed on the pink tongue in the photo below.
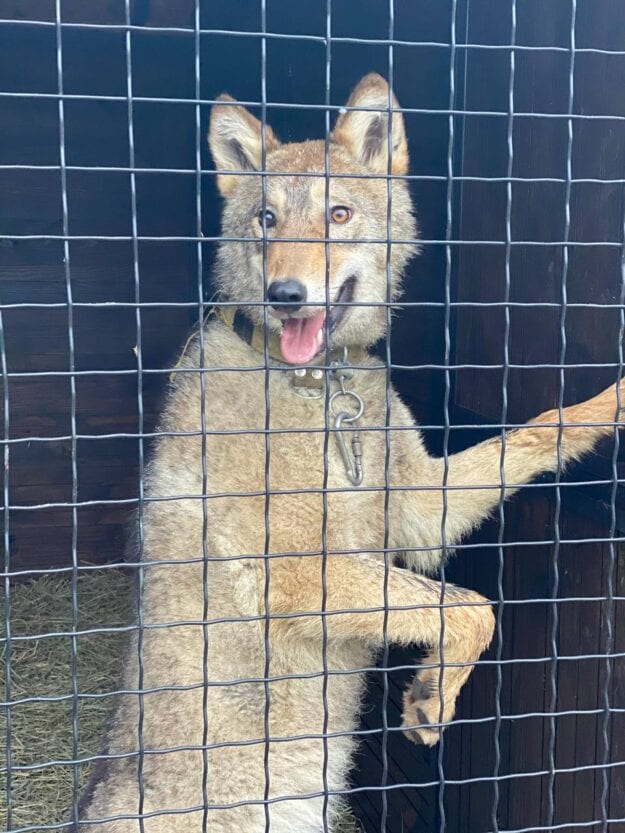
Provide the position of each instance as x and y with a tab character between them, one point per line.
298	341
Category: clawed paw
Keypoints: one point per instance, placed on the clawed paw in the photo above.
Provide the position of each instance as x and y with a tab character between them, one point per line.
422	708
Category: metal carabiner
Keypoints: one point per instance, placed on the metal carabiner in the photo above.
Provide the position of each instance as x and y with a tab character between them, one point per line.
353	461
348	394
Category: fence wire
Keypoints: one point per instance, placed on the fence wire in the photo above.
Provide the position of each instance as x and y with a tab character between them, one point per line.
501	781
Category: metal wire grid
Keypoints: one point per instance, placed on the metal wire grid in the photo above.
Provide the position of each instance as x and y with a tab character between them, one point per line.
450	245
563	300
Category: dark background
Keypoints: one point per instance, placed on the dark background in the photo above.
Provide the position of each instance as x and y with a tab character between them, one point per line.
107	403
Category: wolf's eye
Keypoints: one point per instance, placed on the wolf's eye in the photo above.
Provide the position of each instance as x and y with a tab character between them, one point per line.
266	218
340	214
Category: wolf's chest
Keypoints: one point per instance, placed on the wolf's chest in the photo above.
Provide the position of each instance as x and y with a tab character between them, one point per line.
335	441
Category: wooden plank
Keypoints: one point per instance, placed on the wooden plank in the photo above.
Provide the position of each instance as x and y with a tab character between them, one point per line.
74	11
579	683
469	747
616	778
46	548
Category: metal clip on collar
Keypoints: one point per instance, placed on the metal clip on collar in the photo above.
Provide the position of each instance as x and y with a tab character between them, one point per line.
351	459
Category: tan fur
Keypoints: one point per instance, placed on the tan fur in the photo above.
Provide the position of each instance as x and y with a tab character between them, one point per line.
239	579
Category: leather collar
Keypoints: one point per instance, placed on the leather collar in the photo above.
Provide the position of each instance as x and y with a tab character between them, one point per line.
240	324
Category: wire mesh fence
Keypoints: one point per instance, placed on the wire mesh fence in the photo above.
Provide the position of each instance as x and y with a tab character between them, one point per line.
286	513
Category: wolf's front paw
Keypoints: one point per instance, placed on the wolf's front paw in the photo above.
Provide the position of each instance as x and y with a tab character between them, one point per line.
422	713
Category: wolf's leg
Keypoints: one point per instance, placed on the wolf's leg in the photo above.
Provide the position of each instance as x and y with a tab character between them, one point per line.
529	451
474	475
356	590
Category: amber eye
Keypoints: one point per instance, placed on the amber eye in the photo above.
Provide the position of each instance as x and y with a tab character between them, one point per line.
340	214
266	218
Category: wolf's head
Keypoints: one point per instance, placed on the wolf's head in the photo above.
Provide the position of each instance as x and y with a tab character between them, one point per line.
302	274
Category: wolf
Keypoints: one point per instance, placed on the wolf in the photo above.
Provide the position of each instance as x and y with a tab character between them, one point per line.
286	479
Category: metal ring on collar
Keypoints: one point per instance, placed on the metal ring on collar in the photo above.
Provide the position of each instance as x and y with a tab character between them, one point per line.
359	405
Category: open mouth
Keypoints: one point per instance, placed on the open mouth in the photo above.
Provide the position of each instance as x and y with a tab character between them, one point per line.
304	338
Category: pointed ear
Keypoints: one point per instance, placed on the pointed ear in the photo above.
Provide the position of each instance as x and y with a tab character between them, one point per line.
235	139
365	133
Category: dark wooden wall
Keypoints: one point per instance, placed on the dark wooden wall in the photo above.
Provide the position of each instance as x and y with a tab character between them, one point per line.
592	338
32	272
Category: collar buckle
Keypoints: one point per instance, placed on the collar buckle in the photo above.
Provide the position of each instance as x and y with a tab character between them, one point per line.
308	382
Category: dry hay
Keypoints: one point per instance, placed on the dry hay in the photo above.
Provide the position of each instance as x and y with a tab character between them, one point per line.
41	731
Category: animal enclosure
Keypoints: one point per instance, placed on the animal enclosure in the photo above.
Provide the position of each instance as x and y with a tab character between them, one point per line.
109	223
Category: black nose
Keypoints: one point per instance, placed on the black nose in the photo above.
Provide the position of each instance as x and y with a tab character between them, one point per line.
287	296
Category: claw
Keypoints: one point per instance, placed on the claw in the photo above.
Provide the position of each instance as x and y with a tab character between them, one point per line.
423	689
422	718
414	736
